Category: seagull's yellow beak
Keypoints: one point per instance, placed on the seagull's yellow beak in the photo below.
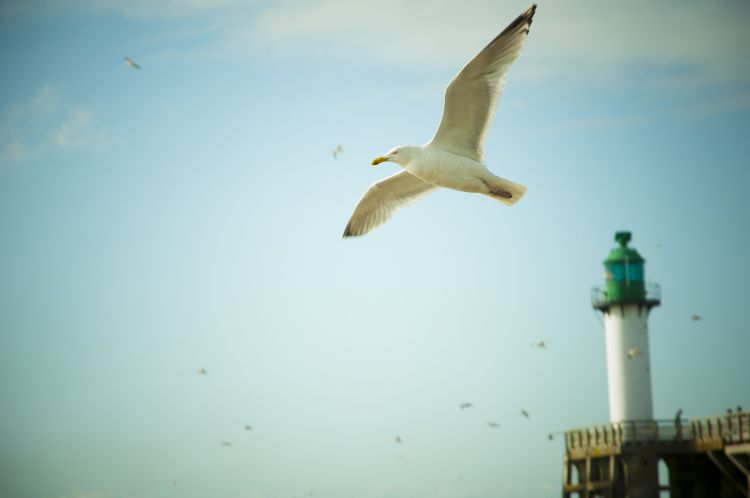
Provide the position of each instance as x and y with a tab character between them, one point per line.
378	160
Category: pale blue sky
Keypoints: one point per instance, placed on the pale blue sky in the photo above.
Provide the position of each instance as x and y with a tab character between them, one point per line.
190	214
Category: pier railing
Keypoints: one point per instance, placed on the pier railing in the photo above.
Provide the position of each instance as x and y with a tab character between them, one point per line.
726	429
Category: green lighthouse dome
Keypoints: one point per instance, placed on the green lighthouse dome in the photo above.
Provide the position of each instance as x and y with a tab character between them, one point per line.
624	278
624	272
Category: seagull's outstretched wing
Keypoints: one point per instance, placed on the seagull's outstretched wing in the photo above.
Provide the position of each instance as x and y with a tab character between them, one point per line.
384	197
472	96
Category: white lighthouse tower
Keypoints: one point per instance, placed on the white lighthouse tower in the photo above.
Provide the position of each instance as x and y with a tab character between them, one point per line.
626	304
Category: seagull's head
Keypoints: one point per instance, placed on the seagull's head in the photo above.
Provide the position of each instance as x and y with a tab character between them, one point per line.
399	155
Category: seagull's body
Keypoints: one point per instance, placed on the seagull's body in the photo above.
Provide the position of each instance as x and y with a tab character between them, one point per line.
525	413
464	406
454	158
539	344
248	427
494	425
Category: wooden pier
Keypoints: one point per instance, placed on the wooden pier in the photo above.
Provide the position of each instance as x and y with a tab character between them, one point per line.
704	458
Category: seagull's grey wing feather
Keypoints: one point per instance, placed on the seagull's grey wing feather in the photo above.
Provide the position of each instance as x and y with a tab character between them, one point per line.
472	96
383	198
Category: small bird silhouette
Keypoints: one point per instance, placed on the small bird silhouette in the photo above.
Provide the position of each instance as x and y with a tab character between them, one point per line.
398	439
464	406
248	427
130	62
202	371
226	443
338	150
632	353
696	317
539	344
550	436
525	413
494	425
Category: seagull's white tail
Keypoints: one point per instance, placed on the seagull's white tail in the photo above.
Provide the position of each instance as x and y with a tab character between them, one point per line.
497	184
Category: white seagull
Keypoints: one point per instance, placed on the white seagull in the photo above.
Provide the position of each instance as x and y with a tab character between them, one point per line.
632	353
454	157
338	150
130	62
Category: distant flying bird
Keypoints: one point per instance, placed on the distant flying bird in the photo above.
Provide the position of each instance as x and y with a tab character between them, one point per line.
398	439
695	317
454	157
632	353
493	424
248	427
130	62
202	371
464	406
226	443
525	413
338	150
550	437
539	344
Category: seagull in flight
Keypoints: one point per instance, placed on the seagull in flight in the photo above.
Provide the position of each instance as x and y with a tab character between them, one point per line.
130	62
454	158
464	406
525	413
539	344
632	353
398	439
248	427
202	371
338	150
494	425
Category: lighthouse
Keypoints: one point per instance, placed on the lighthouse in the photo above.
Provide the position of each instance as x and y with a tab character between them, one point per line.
635	456
625	301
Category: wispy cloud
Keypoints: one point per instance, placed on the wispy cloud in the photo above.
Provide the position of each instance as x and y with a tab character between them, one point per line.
47	122
577	42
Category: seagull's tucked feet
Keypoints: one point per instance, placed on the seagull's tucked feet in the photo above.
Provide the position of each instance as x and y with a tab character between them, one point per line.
501	193
496	191
503	190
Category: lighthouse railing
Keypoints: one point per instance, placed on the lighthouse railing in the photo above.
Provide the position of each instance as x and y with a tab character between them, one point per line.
599	295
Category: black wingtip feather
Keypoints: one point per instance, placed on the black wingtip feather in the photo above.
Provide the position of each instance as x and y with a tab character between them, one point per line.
526	18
